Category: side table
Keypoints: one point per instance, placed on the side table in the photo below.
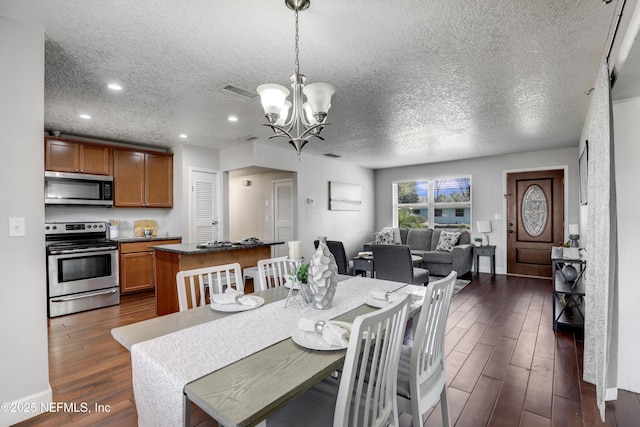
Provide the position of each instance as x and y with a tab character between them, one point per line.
488	250
362	265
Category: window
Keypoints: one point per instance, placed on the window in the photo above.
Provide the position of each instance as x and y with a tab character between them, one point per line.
432	203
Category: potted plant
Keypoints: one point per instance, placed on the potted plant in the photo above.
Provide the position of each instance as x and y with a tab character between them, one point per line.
477	241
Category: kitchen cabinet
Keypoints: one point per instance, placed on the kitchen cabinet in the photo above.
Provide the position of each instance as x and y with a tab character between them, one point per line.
77	157
137	267
142	179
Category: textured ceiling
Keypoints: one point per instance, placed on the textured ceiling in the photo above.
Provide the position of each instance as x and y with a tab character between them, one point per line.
416	81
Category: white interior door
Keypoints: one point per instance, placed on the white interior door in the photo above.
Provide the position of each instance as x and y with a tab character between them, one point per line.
282	214
204	206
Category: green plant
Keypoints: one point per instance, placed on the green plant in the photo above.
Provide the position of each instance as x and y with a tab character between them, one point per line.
478	239
303	273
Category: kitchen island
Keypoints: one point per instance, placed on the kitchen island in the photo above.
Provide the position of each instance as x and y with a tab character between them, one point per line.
170	259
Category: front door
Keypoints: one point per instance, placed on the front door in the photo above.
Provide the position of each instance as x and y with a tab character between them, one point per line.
535	220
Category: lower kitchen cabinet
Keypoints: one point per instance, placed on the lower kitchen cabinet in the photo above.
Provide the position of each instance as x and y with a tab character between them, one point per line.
137	269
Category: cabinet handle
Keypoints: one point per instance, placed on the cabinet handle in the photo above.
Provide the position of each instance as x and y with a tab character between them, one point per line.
510	231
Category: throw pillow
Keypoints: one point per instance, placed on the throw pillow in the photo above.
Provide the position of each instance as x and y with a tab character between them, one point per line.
396	234
447	241
384	237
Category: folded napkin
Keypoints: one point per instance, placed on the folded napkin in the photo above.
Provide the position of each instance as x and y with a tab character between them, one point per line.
381	295
231	296
332	334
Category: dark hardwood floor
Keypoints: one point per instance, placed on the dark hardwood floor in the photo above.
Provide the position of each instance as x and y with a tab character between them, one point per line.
505	365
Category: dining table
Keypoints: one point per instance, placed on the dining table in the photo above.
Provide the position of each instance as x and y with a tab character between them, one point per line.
240	366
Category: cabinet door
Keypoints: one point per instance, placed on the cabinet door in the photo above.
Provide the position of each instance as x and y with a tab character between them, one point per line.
158	181
61	156
136	271
128	178
94	160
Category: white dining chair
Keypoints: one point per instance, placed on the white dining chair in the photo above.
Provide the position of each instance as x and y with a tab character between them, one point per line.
272	272
354	401
192	285
421	376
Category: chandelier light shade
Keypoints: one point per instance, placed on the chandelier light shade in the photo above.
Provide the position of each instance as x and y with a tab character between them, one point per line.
297	120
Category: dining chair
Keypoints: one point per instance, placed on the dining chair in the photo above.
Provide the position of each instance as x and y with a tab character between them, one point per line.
421	375
337	250
193	284
272	272
393	262
353	401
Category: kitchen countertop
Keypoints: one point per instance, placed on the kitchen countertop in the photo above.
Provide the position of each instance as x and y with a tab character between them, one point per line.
144	239
192	248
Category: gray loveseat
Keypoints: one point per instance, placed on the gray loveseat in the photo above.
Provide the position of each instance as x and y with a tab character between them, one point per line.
423	242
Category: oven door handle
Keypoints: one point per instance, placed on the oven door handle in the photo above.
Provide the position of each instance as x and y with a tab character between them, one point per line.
78	251
85	295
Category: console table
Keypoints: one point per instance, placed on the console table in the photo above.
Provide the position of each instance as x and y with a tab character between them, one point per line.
488	250
568	295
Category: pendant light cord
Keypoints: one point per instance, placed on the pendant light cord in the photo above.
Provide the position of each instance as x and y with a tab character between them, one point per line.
297	48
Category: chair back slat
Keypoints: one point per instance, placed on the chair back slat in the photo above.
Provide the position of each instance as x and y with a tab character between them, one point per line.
273	272
192	285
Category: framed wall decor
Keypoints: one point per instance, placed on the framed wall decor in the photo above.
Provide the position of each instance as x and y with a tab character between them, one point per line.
583	170
344	197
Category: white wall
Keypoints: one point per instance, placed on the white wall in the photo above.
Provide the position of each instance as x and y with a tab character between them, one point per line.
24	372
250	207
487	189
353	228
627	156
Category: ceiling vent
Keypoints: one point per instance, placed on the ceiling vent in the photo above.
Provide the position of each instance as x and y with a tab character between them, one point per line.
331	155
238	91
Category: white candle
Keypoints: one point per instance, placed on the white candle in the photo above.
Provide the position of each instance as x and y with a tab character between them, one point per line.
295	249
574	229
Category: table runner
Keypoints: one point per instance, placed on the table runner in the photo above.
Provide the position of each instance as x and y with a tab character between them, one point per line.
161	367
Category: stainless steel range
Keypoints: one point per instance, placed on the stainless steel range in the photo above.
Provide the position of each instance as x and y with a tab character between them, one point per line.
82	267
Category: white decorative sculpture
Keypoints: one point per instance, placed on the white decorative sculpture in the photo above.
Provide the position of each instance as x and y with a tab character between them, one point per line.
323	276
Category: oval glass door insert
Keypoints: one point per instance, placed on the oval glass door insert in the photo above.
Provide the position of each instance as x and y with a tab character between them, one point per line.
534	210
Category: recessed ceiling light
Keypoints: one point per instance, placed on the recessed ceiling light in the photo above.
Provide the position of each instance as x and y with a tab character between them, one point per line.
233	118
183	135
85	116
115	86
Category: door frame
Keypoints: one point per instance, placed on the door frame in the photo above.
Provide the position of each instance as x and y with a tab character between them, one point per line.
294	202
565	169
220	211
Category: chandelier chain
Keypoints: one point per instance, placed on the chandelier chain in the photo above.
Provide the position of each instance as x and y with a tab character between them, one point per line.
297	43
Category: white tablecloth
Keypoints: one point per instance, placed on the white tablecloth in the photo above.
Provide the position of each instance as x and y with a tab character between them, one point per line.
163	366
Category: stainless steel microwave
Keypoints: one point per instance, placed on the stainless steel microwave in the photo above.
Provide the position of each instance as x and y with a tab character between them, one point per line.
77	189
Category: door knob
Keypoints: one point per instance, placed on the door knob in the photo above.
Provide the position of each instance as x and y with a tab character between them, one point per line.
214	222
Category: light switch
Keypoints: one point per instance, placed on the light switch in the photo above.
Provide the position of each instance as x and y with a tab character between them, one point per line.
16	227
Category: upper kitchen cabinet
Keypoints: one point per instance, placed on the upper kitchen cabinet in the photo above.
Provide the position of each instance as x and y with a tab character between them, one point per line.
77	157
142	179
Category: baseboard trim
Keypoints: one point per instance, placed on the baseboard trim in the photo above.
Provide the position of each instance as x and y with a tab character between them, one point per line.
27	407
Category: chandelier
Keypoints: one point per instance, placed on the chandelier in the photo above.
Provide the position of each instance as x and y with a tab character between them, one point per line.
307	119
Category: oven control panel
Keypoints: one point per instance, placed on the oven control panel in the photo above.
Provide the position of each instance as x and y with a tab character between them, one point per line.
74	227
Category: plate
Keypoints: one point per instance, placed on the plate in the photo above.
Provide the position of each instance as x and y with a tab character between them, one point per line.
238	307
378	303
314	341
